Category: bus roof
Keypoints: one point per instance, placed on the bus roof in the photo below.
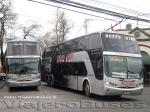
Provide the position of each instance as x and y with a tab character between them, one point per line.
112	32
23	40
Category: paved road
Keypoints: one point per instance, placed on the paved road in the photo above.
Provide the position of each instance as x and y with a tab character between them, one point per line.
48	99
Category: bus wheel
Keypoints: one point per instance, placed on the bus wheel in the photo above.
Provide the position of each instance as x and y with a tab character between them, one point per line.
11	88
87	89
35	87
51	81
117	96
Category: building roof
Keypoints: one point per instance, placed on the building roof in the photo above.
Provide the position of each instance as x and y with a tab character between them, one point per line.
145	31
132	29
141	30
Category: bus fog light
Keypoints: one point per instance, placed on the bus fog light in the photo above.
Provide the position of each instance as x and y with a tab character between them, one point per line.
107	91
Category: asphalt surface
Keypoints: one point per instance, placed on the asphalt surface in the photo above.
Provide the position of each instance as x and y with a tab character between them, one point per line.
48	99
2	84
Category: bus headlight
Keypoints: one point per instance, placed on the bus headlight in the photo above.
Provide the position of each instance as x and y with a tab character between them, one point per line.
111	84
36	76
139	85
12	77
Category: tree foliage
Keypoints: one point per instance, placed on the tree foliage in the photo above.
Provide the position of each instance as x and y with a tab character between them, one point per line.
30	31
58	33
7	20
61	27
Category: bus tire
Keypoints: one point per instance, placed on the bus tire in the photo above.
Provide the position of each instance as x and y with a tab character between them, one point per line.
11	88
35	87
117	96
87	89
51	81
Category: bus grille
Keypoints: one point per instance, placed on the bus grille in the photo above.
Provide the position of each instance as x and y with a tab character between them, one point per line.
126	87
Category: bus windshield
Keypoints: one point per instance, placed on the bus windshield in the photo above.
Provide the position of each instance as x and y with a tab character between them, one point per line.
123	67
134	66
119	43
23	65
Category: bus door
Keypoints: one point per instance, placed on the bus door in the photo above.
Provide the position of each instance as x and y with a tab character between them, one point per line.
68	75
80	72
75	73
99	75
73	77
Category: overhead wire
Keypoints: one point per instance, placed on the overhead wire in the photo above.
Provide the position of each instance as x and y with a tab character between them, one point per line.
79	11
96	2
96	9
116	24
73	10
138	13
133	5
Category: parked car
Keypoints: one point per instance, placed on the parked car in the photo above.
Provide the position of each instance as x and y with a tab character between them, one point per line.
2	74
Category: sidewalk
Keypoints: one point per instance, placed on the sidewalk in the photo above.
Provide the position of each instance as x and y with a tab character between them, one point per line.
147	88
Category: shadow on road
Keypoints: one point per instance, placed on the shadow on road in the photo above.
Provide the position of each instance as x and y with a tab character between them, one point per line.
23	89
112	98
97	97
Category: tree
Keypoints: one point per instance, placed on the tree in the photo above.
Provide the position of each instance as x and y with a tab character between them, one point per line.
6	22
45	40
61	27
58	33
30	31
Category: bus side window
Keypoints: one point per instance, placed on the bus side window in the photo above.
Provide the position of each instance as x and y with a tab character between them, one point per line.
67	69
99	69
76	70
82	69
79	69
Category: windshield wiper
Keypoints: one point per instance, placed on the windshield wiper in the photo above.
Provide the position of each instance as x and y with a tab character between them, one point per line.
118	76
134	74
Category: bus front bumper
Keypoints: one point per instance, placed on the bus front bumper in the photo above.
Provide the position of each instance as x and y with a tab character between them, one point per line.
13	83
108	90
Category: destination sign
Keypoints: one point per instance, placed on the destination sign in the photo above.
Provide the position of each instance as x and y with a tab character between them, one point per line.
114	36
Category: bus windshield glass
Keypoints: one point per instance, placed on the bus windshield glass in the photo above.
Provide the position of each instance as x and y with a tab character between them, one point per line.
134	66
123	67
119	43
23	66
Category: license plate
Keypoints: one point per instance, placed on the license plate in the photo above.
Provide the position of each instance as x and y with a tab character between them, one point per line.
126	92
23	78
126	83
24	84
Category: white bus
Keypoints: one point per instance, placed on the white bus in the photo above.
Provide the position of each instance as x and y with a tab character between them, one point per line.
103	63
23	63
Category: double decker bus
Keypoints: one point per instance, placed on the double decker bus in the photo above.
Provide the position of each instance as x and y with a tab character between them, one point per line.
23	59
103	63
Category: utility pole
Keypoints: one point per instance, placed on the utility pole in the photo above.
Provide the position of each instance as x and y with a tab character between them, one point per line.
86	25
137	22
1	36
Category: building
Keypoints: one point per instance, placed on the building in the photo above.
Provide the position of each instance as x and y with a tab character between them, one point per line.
143	37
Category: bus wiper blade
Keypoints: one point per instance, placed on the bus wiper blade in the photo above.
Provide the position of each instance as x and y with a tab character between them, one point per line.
114	76
118	76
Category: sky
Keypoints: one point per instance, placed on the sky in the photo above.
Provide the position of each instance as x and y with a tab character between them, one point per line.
45	15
